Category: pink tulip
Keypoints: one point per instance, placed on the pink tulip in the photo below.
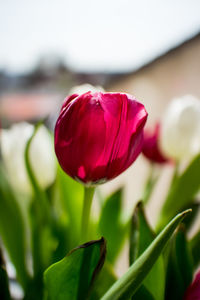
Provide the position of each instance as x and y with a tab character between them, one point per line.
99	135
151	149
193	291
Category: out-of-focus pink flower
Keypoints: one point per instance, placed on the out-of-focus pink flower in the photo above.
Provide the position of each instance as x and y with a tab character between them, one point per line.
99	135
151	149
193	291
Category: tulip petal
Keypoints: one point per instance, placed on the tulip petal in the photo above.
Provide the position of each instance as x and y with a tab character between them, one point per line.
193	291
99	135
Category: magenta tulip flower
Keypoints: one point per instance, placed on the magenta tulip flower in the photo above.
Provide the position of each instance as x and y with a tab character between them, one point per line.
99	135
151	148
193	291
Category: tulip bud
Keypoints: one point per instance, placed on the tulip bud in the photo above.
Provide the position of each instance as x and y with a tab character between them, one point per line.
99	135
13	144
193	291
180	131
151	148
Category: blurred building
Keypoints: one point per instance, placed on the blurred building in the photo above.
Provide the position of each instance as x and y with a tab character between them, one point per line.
174	74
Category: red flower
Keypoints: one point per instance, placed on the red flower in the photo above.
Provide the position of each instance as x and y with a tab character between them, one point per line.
99	135
151	149
193	291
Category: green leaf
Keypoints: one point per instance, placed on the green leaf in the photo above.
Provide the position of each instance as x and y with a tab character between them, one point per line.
189	221
4	289
127	285
71	198
180	266
182	192
111	226
150	183
141	234
194	245
72	277
140	238
12	229
143	294
62	234
104	281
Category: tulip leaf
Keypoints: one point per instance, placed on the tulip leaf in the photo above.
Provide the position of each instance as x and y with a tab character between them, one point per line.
72	278
111	226
104	281
179	267
140	238
12	229
195	246
182	192
126	286
143	294
189	221
62	233
150	184
4	289
71	196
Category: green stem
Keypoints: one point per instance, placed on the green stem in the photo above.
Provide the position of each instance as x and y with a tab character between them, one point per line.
150	183
39	194
99	197
175	174
40	214
88	196
161	222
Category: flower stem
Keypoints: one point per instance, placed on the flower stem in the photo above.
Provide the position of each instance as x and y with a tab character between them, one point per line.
88	196
150	183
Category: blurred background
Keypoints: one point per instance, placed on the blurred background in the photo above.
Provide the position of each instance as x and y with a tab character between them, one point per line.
148	48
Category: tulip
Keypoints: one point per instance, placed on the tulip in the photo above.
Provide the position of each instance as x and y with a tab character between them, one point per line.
13	143
151	148
99	135
180	131
193	291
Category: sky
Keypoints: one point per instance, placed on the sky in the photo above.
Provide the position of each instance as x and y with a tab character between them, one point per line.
93	35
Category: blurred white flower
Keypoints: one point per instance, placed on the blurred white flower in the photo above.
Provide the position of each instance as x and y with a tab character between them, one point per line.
180	130
83	88
13	143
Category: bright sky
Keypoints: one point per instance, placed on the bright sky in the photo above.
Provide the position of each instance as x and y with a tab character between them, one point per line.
93	35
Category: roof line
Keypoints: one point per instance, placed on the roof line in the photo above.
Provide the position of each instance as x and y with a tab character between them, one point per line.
118	76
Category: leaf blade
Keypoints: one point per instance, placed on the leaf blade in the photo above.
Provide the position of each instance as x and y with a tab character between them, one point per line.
126	286
182	192
73	276
180	267
110	224
141	237
12	229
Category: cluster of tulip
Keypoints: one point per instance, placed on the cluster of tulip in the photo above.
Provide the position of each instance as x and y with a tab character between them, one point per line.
45	206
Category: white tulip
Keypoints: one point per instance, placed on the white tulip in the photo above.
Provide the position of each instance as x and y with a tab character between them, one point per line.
180	130
13	143
83	88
